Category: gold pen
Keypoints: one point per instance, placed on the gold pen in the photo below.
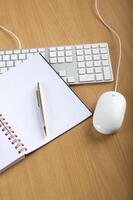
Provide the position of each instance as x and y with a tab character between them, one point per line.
40	101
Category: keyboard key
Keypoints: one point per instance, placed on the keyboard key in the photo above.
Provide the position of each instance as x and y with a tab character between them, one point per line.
41	49
81	71
53	54
69	59
89	70
107	74
17	62
81	64
17	51
22	56
98	69
95	51
80	58
96	57
86	77
52	48
9	63
99	77
2	52
25	50
88	57
79	47
60	53
62	73
89	64
9	52
68	53
61	59
33	50
2	64
87	51
103	45
94	46
105	63
14	57
71	79
104	56
53	60
97	63
60	48
6	57
79	52
68	48
103	50
87	46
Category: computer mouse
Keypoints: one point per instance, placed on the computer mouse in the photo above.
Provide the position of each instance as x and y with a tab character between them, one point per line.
109	112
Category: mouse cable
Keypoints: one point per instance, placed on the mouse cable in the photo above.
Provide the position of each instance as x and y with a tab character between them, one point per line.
13	35
119	41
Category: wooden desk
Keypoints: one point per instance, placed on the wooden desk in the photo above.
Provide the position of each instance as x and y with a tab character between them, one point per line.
80	165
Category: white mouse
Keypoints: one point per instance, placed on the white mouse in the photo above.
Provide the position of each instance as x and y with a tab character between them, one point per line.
109	112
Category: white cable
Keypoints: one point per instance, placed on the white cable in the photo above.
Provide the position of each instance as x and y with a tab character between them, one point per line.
119	41
13	35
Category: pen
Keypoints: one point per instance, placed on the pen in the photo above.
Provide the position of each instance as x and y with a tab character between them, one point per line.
41	106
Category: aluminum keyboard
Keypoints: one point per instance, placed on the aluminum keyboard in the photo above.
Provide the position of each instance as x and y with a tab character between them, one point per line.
76	64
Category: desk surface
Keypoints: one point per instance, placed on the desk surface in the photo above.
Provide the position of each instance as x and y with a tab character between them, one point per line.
80	164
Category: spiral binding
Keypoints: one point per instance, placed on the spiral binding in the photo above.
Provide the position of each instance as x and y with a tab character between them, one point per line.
6	128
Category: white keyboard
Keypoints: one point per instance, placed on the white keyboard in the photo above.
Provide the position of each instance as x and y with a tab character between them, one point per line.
76	64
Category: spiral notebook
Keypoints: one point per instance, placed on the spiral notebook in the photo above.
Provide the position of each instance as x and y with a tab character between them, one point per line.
20	127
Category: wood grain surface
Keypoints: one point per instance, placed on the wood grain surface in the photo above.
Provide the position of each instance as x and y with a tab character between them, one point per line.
81	164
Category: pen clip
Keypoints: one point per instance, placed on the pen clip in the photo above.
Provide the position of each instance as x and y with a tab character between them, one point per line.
38	95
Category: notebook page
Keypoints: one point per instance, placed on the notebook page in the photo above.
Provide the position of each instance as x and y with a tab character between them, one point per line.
8	154
18	102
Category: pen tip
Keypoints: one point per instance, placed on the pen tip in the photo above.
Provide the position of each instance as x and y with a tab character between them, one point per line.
45	130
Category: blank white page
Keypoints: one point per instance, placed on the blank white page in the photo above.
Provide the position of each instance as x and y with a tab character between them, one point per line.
18	102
